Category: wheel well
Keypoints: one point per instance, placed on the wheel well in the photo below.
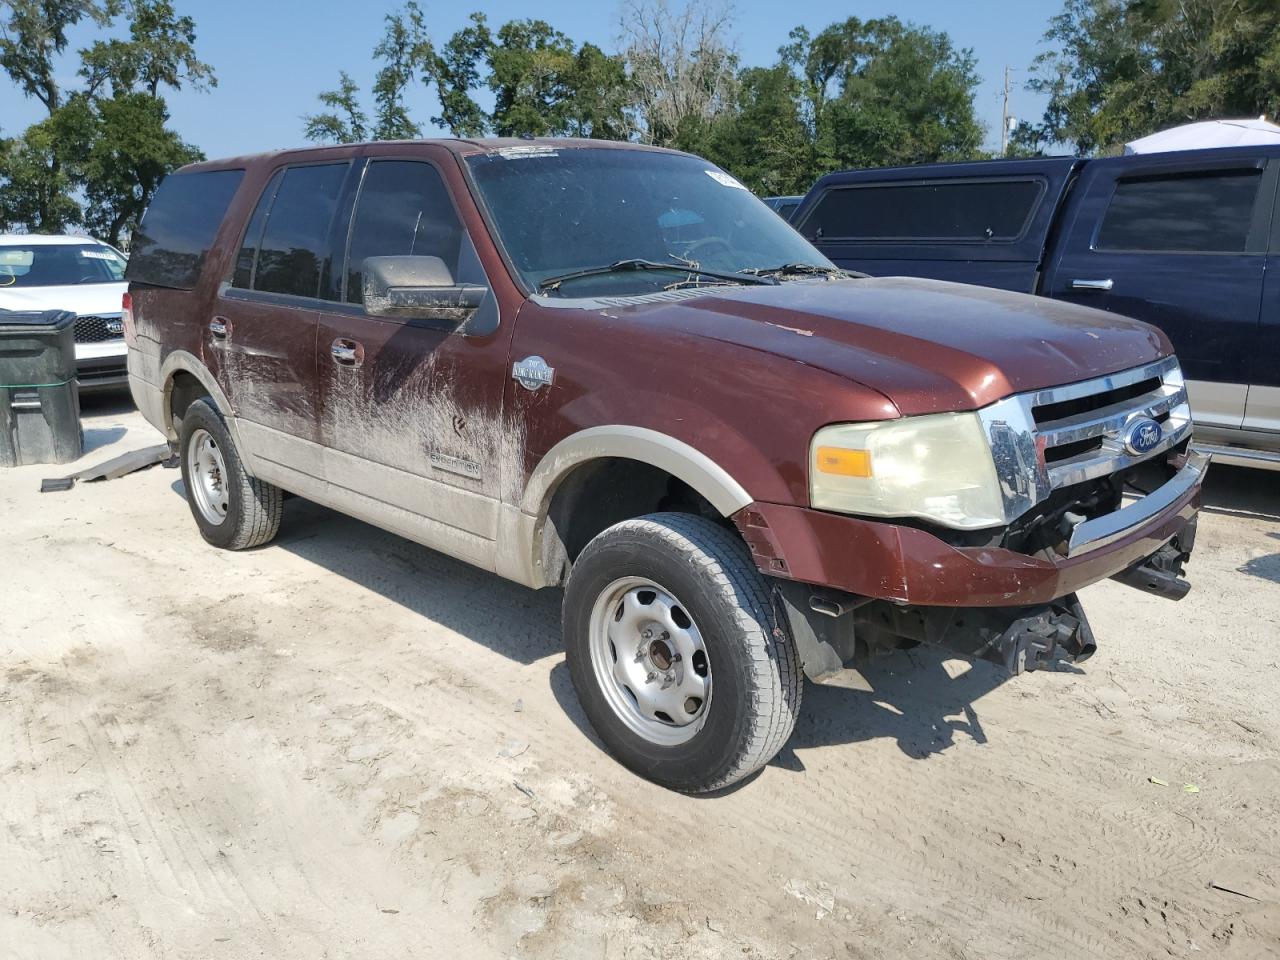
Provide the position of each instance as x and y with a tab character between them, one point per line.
602	492
184	390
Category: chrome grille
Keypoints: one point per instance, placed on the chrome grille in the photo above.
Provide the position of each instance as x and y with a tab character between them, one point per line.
1054	438
99	328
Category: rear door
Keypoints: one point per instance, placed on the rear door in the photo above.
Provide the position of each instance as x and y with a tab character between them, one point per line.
261	334
981	223
1178	241
412	409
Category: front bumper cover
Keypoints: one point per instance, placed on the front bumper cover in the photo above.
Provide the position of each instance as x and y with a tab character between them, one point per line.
908	565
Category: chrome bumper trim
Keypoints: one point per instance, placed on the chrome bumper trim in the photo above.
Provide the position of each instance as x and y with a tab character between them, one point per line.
1096	533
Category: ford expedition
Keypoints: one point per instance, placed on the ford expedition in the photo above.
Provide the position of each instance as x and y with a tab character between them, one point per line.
610	368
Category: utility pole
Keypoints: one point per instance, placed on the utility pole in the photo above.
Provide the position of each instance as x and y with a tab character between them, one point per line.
1004	116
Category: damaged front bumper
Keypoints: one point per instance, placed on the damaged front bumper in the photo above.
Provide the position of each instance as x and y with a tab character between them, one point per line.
1019	639
850	586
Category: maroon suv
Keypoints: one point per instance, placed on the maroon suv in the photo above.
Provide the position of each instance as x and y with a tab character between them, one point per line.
611	368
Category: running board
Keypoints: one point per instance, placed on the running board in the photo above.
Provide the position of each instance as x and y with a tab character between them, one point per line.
114	468
1240	456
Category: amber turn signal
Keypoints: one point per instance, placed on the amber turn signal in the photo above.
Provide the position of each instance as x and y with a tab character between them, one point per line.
843	463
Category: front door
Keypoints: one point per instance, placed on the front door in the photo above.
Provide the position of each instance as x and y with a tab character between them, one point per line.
412	409
1182	245
261	333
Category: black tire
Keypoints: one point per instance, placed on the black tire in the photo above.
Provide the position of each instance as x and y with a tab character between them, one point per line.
754	669
253	507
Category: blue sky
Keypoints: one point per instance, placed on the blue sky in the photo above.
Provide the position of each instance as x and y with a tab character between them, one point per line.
272	56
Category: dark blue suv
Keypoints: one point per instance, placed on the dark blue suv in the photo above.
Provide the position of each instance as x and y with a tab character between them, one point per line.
1180	240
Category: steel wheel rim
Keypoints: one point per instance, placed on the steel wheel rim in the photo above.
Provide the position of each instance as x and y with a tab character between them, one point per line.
650	661
208	474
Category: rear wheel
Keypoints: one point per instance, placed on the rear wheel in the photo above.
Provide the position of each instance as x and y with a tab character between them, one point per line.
232	509
676	654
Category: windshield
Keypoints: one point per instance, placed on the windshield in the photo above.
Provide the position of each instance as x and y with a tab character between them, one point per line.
561	211
58	264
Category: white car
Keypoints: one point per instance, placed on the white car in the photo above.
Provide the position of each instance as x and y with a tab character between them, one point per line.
79	274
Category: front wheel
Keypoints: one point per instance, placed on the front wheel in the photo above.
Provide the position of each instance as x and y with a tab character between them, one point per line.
676	654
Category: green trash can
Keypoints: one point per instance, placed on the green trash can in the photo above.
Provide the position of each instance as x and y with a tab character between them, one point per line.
39	400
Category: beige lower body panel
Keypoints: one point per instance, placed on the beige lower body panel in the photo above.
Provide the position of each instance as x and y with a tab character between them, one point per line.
1262	411
1217	404
146	388
478	530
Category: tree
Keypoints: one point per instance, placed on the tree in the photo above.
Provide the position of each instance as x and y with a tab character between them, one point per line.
858	93
601	96
160	52
682	66
34	37
825	63
543	86
407	55
1125	68
345	122
764	139
880	92
530	70
35	186
457	72
129	151
36	190
108	143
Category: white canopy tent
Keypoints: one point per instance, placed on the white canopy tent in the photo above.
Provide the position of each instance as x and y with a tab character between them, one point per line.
1208	133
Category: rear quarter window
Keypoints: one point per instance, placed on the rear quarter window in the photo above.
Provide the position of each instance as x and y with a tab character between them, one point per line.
973	211
179	227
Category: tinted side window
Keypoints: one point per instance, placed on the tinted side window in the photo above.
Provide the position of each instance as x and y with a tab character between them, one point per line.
295	241
246	259
1205	213
179	226
403	210
976	210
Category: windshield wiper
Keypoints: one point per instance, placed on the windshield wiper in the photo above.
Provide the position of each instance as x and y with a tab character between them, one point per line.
625	266
800	270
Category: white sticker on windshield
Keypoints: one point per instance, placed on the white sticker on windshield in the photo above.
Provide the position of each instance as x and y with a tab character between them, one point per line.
526	153
722	178
97	255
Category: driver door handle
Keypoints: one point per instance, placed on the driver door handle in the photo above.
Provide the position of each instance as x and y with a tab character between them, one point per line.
1092	284
346	353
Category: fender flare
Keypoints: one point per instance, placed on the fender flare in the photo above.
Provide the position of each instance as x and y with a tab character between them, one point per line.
180	361
520	532
657	449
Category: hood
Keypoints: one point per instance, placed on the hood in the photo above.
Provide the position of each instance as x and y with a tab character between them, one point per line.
83	298
927	345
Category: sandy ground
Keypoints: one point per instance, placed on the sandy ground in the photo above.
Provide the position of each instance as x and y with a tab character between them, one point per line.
344	745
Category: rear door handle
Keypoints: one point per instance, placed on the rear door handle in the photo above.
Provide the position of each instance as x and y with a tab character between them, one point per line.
348	353
220	327
1092	284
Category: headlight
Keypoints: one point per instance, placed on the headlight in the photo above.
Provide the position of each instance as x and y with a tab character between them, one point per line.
936	467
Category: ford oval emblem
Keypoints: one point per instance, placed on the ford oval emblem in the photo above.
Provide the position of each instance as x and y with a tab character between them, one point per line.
1142	435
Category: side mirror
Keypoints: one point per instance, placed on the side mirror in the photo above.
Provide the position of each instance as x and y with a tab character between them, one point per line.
417	288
